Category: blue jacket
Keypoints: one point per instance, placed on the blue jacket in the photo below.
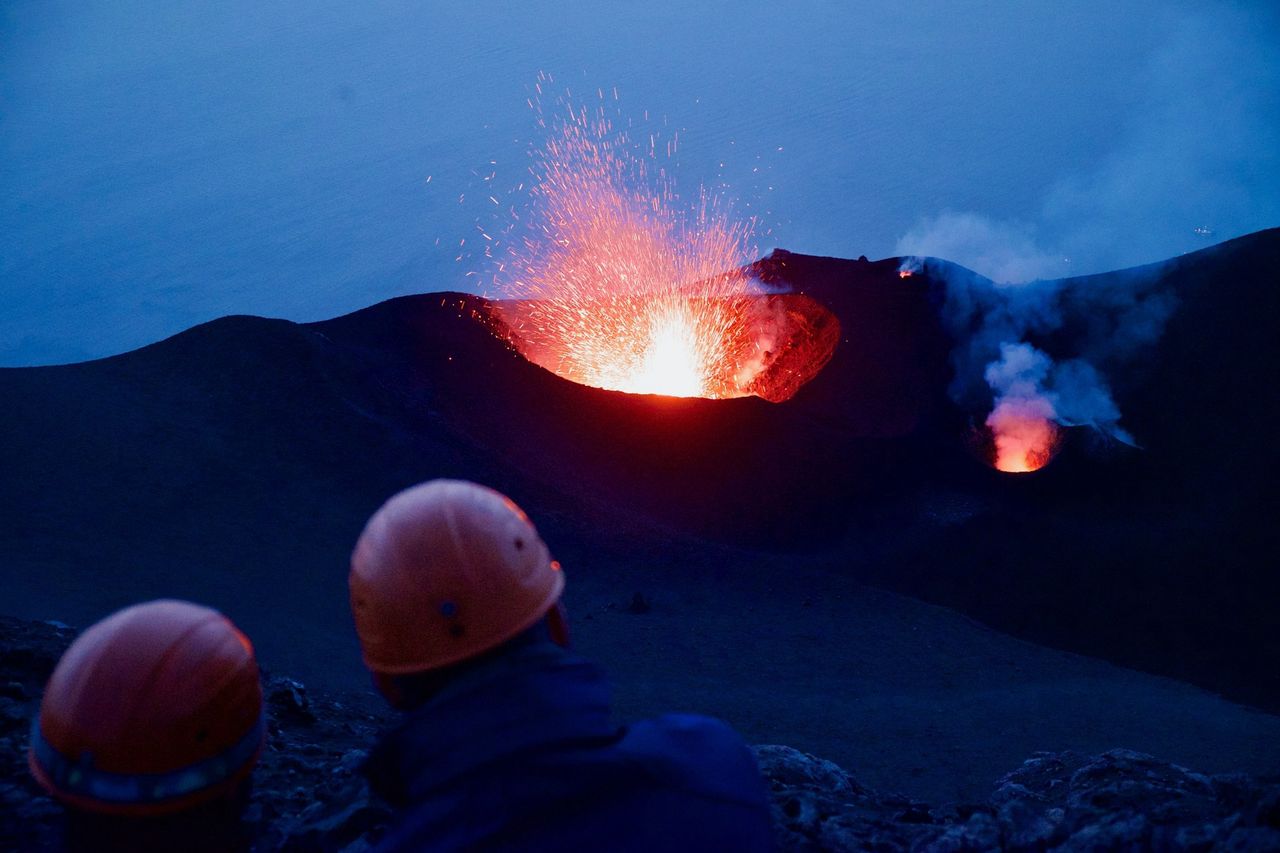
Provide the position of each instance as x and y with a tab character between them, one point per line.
521	755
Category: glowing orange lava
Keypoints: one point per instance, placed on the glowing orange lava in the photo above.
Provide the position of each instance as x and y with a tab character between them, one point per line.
614	281
670	362
1025	440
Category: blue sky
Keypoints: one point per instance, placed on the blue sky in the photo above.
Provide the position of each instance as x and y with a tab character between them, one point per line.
162	164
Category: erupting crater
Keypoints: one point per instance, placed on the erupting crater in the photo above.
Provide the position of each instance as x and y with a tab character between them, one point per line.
1016	445
766	344
612	279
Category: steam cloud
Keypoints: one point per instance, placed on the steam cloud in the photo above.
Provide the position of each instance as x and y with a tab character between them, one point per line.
999	369
1186	170
1194	162
1023	416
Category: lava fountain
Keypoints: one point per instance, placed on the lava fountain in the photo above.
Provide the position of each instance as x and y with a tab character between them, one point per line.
612	280
670	361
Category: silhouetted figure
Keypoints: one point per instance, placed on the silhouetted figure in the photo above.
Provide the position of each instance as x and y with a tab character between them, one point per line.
507	741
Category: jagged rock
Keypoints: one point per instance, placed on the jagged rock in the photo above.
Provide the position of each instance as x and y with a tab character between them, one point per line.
1125	831
1042	778
1235	790
323	829
1029	826
1252	838
1122	780
289	699
785	766
1055	801
980	832
818	806
352	760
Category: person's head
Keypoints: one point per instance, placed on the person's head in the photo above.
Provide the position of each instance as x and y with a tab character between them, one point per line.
444	574
153	716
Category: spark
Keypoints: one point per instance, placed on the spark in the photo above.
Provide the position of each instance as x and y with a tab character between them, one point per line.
615	280
671	360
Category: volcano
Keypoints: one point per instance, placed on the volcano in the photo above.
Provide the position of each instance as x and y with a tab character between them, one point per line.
776	342
236	462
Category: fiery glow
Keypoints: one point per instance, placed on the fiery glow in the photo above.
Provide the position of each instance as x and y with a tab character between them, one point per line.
615	281
670	362
1023	420
1025	438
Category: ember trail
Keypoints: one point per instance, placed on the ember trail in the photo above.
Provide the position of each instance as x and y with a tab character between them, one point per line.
614	281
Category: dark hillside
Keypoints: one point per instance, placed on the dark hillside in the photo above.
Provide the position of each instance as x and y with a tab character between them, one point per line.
236	462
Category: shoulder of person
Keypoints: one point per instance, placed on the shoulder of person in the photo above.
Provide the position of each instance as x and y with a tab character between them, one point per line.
695	752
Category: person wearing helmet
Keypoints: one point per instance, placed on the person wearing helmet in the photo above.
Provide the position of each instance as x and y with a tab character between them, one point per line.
149	729
507	742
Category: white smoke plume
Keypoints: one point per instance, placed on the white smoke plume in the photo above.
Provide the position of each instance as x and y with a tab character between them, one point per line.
1096	325
1195	161
1031	390
1005	252
1024	413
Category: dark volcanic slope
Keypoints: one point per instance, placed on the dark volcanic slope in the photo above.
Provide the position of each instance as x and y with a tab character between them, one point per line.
1165	557
236	462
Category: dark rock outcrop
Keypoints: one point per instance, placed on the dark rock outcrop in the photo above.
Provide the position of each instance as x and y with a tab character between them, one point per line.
1119	800
309	794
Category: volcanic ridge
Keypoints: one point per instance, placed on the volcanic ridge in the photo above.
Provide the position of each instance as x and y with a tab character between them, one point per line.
235	463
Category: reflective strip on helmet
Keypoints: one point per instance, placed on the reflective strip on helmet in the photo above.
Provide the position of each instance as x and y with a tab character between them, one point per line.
82	779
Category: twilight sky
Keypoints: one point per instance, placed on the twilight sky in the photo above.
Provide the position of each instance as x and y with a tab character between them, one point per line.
162	164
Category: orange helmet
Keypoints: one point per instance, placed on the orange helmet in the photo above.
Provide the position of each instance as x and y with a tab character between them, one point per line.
445	571
154	709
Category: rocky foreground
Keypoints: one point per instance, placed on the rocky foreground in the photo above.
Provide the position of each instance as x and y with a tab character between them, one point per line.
309	794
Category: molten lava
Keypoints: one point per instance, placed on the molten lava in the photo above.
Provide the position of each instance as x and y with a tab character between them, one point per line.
613	281
1025	438
669	362
766	345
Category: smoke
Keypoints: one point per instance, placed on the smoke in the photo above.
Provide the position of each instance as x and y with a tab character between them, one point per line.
1032	393
1196	160
1022	419
1037	356
1005	252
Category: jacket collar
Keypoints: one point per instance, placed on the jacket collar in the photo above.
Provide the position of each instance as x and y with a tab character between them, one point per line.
533	696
